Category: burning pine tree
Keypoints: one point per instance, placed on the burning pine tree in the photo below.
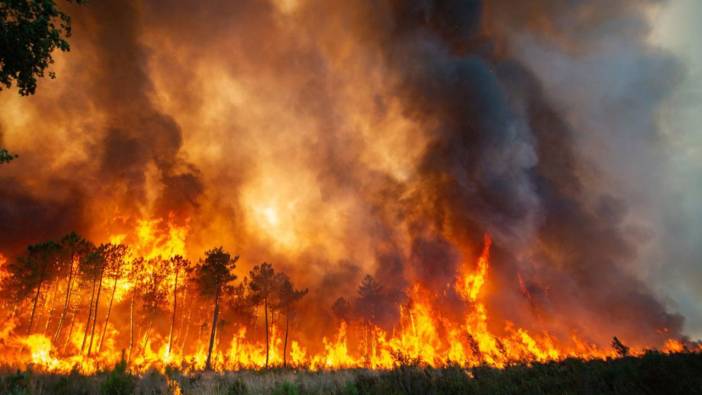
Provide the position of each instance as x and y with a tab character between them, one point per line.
118	300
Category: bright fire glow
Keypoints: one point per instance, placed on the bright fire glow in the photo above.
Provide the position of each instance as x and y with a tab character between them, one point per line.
422	334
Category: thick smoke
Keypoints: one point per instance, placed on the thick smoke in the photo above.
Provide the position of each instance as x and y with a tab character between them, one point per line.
340	138
129	141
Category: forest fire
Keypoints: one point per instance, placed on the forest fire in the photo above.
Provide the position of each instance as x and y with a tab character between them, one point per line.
147	304
335	184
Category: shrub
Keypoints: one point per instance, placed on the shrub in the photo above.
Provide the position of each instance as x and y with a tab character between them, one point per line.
350	389
73	384
237	387
286	388
17	384
118	381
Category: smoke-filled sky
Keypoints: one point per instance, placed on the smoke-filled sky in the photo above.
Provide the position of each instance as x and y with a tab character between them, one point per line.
339	138
680	263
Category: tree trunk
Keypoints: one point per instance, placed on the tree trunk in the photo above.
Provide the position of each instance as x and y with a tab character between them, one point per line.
50	306
90	317
184	317
66	302
34	305
107	318
368	344
265	306
285	343
173	317
147	335
131	324
187	325
208	363
70	331
97	304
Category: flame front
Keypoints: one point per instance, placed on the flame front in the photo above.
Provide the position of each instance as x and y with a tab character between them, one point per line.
421	335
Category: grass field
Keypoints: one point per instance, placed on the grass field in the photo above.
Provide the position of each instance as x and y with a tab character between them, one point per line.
653	373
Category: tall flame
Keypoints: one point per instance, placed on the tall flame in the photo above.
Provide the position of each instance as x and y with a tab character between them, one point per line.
422	334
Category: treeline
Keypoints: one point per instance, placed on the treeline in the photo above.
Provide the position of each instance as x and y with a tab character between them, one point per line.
71	278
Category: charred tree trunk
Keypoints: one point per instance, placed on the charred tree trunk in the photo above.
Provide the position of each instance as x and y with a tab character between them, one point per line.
285	343
66	302
173	317
97	304
187	325
147	335
51	306
90	317
265	306
369	346
131	324
107	318
34	305
184	317
215	314
70	331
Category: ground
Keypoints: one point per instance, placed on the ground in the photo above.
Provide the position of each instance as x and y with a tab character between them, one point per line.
652	373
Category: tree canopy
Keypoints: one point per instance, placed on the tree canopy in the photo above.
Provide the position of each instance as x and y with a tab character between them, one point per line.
215	272
30	31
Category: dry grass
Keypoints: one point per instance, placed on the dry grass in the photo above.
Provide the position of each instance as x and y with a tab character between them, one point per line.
652	373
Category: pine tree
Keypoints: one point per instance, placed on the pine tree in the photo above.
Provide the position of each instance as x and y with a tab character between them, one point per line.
115	255
73	249
154	294
178	265
288	296
214	276
368	308
263	288
29	273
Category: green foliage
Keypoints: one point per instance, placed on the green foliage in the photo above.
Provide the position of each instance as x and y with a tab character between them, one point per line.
237	387
118	381
6	156
350	389
30	31
287	388
72	384
153	383
215	272
32	270
652	373
17	383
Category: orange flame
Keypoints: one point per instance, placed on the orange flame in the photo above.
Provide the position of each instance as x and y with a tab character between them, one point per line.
423	335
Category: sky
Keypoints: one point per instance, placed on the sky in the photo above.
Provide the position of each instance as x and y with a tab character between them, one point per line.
677	28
